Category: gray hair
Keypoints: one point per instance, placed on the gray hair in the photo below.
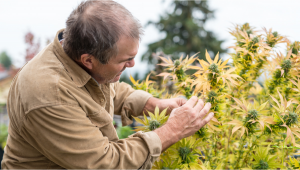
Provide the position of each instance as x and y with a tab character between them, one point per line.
94	28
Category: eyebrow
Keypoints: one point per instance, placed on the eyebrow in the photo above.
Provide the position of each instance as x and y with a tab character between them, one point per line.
128	59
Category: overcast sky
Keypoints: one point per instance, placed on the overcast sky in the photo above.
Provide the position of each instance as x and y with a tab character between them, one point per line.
45	17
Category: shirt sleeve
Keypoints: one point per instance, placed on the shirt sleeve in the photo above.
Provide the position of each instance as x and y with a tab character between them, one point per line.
129	102
67	137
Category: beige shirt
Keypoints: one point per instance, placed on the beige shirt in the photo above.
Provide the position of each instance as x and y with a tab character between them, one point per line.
61	118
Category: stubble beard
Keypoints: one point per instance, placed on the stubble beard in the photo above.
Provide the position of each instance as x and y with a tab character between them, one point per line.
114	79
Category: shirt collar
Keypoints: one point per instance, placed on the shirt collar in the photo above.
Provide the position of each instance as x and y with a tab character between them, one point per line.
79	76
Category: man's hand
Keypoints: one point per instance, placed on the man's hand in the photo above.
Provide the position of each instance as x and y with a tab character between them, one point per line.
163	103
184	121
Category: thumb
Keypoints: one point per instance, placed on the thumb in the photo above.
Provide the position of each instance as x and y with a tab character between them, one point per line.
181	101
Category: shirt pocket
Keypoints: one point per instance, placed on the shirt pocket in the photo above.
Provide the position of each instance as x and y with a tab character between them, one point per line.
100	117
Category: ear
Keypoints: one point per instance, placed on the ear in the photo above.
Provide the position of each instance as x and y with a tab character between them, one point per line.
87	60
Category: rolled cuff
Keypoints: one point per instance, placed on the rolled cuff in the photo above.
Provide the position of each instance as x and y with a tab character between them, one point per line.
154	145
134	105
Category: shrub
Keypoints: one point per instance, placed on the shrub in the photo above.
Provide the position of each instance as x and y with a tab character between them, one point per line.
3	135
256	125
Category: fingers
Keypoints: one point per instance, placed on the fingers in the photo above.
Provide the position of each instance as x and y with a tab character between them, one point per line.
206	119
181	101
199	106
191	103
205	110
171	114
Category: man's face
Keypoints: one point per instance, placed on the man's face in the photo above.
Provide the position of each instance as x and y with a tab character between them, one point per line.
111	72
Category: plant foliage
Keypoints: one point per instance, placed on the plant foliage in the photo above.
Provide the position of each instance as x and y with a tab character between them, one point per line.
256	125
5	60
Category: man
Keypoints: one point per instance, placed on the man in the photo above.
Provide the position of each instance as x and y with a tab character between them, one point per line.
62	102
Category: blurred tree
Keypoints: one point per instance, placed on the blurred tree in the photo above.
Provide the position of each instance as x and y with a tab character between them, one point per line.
5	60
32	47
185	32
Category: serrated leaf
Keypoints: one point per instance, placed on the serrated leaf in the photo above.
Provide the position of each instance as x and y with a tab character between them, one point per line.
235	129
156	111
240	104
275	101
139	120
224	63
166	60
216	58
208	58
262	106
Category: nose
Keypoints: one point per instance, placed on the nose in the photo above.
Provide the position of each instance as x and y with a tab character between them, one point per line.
130	63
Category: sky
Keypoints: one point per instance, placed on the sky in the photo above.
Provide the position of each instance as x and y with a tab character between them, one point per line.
45	17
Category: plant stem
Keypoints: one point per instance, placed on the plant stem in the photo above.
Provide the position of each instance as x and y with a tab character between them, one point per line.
282	159
227	149
212	148
215	145
207	158
240	151
253	144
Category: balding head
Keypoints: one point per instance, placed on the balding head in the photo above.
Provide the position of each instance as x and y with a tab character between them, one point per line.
94	28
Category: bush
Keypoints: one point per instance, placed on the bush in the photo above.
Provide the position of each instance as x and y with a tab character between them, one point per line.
256	125
124	131
3	135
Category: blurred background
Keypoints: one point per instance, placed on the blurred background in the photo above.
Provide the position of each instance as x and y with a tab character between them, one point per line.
174	27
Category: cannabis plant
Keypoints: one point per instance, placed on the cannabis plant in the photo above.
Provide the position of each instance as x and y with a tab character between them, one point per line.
256	123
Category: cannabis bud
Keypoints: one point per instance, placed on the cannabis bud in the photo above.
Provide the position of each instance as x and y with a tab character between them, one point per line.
295	51
211	96
286	65
255	40
291	119
247	28
263	165
201	133
295	47
153	124
249	32
176	63
254	114
213	68
183	152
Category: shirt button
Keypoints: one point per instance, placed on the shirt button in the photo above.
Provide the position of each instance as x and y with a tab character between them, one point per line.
102	100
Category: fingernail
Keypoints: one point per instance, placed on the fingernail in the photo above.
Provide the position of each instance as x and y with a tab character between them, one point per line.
209	103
